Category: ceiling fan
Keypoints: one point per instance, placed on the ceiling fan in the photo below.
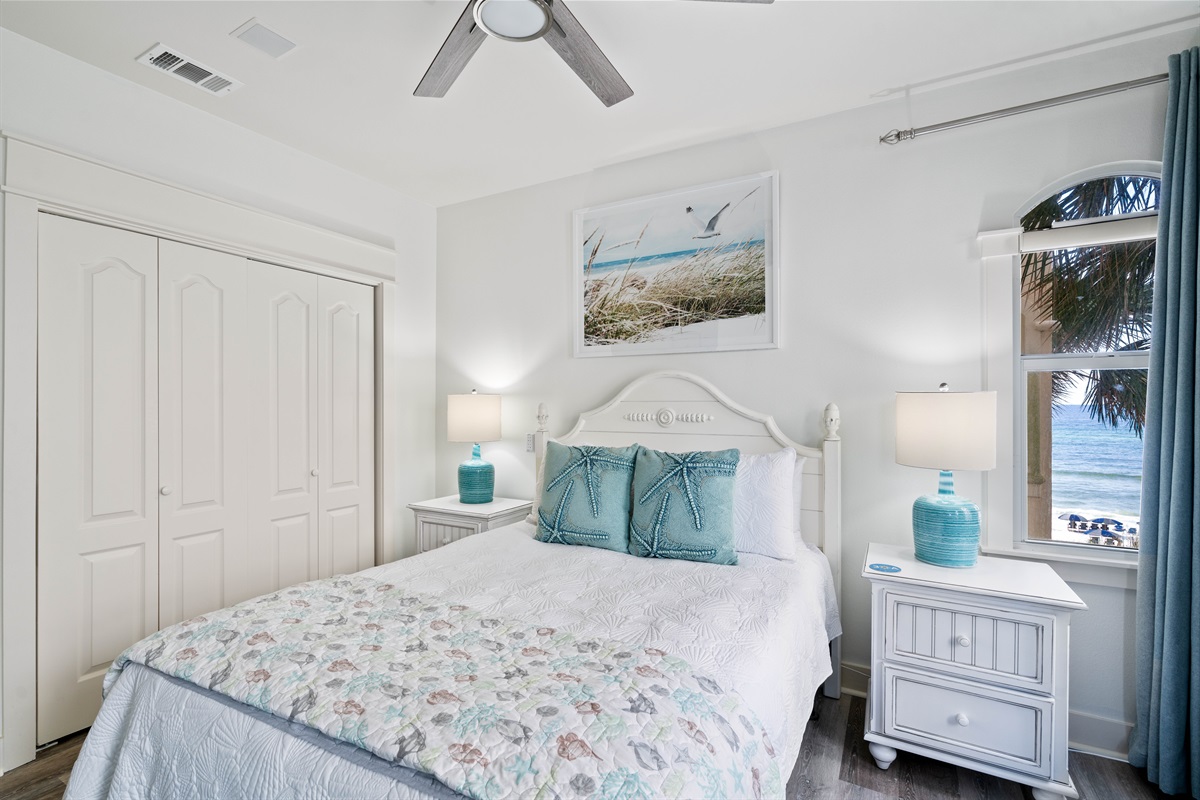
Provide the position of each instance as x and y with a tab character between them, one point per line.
524	21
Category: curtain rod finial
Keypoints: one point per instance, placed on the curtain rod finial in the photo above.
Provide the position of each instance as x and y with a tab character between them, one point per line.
895	136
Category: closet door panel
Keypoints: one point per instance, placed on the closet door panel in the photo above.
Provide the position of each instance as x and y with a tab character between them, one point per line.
282	312
97	574
347	420
202	408
292	542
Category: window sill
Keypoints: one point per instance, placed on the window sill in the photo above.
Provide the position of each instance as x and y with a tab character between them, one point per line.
1118	570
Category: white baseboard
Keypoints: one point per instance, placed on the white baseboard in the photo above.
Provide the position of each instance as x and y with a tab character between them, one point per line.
1101	736
1087	733
855	678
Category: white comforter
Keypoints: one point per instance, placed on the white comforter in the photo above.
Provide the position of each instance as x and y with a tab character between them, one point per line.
763	625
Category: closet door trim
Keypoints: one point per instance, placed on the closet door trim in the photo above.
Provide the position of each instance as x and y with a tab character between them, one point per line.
18	649
69	184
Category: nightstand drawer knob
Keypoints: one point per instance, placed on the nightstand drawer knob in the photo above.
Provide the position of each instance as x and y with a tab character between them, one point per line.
962	720
446	539
963	640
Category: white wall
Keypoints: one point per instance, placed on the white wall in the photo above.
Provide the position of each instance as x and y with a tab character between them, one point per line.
881	293
64	102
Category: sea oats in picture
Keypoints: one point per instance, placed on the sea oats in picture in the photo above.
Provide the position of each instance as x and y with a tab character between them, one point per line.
693	270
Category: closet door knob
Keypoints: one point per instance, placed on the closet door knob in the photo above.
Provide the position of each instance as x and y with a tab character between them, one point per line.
961	719
315	472
164	491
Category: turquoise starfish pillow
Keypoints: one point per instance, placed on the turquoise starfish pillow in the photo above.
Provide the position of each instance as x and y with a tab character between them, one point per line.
683	505
585	497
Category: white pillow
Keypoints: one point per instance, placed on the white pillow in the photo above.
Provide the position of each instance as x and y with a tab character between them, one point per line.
764	504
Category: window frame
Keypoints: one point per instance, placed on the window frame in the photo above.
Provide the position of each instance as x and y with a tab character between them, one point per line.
1005	369
1053	362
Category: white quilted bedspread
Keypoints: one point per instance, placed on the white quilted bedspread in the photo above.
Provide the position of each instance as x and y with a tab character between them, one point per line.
762	626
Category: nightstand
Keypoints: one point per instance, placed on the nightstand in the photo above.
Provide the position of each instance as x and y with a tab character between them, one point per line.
446	520
969	666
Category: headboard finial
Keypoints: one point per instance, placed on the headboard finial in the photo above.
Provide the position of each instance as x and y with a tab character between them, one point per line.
832	420
542	417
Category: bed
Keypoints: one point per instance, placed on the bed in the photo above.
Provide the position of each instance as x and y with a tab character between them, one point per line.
764	630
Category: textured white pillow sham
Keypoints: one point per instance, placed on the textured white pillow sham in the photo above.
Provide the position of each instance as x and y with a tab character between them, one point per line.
764	504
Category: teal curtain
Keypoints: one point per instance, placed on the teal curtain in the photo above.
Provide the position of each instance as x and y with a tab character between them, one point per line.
1166	735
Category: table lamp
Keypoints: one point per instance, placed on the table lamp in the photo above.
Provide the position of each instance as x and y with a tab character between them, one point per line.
946	431
474	418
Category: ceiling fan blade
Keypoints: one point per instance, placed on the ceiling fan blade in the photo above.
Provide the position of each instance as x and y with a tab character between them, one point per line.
572	43
464	39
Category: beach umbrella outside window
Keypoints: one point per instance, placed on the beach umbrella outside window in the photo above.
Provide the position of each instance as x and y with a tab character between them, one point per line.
1106	521
1072	517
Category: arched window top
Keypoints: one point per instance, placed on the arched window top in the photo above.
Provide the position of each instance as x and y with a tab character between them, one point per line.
1095	199
1090	299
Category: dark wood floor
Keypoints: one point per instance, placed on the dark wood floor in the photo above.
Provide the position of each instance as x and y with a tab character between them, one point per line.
833	765
46	777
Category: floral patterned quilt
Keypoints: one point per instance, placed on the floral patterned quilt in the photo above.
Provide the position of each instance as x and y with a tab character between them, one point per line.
493	708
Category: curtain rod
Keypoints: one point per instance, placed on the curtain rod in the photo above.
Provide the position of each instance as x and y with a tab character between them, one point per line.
896	136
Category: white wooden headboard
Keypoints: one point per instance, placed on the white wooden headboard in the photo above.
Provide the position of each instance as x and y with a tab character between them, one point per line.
678	411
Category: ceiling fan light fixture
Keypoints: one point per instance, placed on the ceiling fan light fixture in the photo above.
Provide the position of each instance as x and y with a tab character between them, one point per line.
514	20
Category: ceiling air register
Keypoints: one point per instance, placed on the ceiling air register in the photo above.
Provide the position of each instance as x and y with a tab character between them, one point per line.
171	61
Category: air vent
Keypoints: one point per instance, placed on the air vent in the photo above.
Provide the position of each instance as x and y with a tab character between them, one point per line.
167	59
260	37
216	83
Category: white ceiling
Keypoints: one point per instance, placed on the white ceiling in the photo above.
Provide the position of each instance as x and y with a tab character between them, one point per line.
518	115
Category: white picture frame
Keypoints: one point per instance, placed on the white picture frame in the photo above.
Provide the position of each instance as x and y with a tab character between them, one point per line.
691	270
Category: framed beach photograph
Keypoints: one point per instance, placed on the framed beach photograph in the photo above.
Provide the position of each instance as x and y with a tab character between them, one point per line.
688	271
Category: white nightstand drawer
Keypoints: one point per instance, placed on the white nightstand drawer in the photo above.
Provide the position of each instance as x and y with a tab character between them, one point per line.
431	534
445	519
999	645
993	725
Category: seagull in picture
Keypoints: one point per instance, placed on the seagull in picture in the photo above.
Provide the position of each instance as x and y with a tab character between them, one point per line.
709	230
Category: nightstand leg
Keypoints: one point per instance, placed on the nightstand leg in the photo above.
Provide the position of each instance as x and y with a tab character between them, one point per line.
1046	794
883	755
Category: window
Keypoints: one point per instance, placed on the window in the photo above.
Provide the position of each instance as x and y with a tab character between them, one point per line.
1086	286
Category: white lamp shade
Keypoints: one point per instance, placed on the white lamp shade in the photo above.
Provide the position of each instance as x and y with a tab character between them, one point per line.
946	430
473	417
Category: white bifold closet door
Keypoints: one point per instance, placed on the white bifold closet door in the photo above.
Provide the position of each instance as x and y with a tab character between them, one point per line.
281	456
346	447
206	429
202	402
98	545
311	451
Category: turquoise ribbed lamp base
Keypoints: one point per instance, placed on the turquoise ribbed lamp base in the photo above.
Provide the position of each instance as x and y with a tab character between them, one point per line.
476	479
946	527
